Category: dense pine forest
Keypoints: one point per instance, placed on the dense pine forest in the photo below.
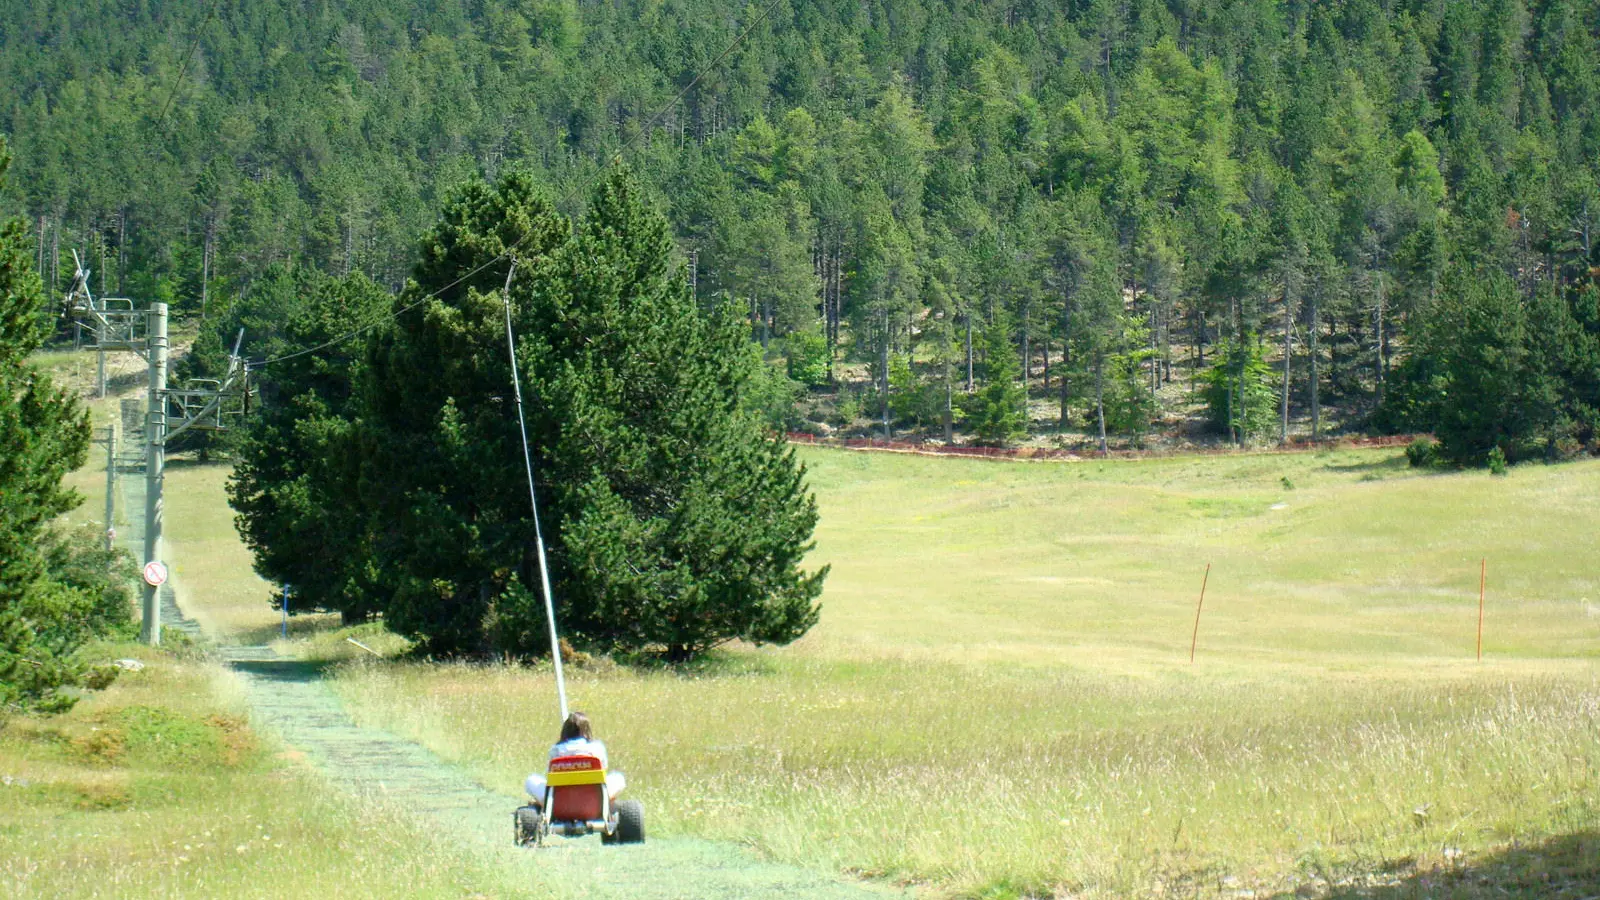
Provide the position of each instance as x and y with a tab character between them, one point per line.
1087	218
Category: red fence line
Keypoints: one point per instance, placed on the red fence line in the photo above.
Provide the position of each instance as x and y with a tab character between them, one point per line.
1042	453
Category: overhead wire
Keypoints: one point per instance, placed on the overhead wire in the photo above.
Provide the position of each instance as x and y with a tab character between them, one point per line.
183	69
566	198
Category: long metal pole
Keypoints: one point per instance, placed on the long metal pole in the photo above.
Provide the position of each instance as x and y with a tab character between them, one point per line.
100	370
155	457
111	483
533	499
1194	639
1483	580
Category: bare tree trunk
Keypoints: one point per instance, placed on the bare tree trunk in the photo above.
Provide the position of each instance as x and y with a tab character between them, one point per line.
205	266
349	241
970	383
122	250
1027	359
1066	366
1235	377
1378	345
1288	348
1100	399
949	404
883	360
1316	401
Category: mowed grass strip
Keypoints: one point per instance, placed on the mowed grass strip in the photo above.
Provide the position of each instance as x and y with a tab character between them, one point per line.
998	701
158	787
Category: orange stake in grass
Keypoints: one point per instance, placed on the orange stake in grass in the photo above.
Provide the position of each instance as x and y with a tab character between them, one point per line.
1483	578
1195	639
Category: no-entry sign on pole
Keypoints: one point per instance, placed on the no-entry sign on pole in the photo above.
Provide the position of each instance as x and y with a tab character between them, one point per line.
155	574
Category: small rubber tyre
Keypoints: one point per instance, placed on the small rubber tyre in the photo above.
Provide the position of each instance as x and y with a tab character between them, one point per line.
630	822
529	826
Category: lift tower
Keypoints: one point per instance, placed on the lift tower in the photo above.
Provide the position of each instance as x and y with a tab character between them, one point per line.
201	404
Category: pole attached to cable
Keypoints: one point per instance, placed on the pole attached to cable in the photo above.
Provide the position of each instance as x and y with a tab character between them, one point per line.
533	498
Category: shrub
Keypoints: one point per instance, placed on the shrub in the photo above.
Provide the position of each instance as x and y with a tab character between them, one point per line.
1422	452
1497	461
849	405
806	355
1238	391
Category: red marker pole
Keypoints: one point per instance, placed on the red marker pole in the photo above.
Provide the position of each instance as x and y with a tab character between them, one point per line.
1483	578
1195	639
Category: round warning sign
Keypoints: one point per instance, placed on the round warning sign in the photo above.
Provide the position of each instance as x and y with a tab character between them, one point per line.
155	574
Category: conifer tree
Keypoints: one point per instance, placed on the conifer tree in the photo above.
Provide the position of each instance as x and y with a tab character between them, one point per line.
44	434
998	412
674	518
296	486
683	519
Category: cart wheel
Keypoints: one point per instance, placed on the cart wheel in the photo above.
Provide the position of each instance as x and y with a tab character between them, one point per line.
529	826
630	822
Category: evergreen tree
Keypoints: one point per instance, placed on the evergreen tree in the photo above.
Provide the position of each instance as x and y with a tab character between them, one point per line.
44	434
676	520
998	412
1239	393
296	485
683	519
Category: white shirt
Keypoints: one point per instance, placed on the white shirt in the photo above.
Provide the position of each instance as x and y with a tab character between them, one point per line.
580	747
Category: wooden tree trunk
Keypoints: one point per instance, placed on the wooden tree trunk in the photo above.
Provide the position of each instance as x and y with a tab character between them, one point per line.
122	250
949	405
1066	352
1100	398
1378	344
1316	397
883	362
1027	361
1288	348
205	265
970	383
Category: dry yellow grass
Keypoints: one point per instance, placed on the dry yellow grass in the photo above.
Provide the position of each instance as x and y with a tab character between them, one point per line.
998	701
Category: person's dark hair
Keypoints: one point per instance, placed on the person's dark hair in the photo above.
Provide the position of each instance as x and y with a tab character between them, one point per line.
576	726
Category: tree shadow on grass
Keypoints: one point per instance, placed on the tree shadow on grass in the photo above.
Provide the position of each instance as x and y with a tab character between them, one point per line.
282	670
1560	868
1390	464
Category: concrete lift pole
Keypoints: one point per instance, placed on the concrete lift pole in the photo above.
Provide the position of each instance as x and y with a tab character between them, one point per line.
201	404
111	483
155	457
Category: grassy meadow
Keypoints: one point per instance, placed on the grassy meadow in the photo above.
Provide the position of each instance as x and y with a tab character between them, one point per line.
998	700
158	787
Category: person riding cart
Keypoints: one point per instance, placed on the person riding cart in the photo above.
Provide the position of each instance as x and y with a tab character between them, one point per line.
576	794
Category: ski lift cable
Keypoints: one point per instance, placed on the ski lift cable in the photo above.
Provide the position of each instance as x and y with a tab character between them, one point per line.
533	497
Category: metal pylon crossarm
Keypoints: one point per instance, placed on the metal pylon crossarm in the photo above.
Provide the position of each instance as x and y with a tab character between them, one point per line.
206	404
113	321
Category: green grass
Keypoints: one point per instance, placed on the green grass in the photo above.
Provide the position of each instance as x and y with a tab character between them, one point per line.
157	787
211	567
998	701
